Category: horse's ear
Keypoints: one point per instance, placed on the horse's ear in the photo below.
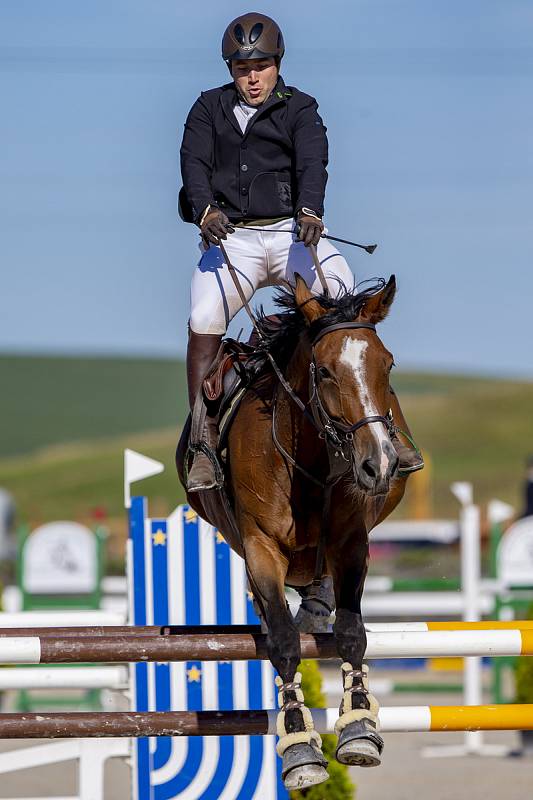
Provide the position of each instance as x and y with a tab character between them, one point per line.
377	306
306	302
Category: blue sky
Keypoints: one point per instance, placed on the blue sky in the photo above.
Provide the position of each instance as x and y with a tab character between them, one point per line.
429	114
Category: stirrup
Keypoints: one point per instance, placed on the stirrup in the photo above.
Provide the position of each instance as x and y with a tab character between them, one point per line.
214	479
414	459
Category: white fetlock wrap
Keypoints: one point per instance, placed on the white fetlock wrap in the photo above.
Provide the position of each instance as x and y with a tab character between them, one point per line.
349	714
308	735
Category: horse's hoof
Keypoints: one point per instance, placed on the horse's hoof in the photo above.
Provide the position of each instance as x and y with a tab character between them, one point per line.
307	622
359	745
303	766
359	753
303	777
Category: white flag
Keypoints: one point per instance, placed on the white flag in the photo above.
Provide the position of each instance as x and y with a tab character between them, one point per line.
136	468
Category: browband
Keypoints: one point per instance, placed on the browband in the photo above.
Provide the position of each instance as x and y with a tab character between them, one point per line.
339	326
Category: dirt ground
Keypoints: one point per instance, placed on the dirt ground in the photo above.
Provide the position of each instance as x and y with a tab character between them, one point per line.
404	774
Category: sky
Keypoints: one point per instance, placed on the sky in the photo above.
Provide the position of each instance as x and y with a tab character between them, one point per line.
429	115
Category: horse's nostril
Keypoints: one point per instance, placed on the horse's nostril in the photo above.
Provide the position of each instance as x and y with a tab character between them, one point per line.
369	467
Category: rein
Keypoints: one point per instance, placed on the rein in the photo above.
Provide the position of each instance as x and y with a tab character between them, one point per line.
336	435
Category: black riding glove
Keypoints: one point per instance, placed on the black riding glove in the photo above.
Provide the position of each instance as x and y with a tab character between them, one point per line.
310	227
215	226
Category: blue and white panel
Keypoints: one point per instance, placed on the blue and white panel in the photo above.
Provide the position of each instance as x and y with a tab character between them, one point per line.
184	573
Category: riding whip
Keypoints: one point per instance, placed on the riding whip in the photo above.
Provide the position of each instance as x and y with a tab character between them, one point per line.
368	248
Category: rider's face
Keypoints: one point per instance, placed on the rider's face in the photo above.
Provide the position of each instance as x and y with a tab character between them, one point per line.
255	78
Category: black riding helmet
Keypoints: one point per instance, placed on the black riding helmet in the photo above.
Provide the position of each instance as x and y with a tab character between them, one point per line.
252	35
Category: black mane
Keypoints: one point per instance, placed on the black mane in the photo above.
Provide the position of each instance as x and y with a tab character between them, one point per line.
281	335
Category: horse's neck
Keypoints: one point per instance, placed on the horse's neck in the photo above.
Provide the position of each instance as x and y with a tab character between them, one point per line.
299	436
297	373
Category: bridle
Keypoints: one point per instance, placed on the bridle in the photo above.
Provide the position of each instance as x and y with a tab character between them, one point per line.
334	431
337	435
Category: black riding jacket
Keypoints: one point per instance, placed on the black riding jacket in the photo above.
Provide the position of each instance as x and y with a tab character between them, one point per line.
273	169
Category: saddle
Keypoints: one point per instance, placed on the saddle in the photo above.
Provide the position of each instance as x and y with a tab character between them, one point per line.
226	383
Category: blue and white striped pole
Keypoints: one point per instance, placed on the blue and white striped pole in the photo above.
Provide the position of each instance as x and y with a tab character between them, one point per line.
182	572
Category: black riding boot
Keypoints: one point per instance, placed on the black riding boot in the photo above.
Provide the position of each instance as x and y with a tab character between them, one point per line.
410	457
201	352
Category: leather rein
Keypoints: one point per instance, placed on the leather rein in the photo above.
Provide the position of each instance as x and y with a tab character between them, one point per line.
337	436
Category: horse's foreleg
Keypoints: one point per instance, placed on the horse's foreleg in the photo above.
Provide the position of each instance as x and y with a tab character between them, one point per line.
359	742
299	744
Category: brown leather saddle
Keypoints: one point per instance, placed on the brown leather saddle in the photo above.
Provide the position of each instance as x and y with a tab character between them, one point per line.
226	383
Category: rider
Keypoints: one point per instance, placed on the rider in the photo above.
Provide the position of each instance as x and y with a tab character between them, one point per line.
254	155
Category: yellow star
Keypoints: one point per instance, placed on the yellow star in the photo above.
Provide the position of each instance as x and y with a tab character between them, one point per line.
194	675
159	537
249	595
190	515
220	539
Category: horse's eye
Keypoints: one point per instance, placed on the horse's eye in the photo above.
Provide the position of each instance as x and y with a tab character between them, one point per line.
324	372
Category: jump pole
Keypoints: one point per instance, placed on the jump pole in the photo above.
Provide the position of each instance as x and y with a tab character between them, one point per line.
254	723
187	630
250	647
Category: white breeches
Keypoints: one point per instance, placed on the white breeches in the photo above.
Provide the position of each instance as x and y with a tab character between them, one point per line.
260	259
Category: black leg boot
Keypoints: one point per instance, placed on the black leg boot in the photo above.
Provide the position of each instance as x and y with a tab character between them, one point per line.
201	352
411	459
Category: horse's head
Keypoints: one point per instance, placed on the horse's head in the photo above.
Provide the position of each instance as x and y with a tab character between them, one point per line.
350	382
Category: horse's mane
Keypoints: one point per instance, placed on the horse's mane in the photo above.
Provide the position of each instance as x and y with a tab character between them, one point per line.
281	334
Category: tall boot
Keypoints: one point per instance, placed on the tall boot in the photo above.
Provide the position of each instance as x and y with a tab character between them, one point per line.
201	352
410	456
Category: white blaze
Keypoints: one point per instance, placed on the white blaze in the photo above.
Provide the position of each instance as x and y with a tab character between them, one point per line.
353	356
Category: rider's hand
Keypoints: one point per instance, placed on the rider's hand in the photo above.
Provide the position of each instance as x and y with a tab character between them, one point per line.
215	226
310	227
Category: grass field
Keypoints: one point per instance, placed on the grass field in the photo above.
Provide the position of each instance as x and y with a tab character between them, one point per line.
64	423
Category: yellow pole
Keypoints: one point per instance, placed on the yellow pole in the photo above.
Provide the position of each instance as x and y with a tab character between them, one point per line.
486	625
482	718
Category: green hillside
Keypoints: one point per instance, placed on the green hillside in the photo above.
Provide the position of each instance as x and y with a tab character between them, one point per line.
48	401
64	423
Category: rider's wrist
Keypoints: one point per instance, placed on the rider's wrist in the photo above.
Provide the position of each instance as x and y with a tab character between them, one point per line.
308	212
205	212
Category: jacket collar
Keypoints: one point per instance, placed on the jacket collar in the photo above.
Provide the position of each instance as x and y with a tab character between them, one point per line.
230	97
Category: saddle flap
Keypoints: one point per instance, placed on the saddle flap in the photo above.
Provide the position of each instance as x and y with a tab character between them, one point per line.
213	384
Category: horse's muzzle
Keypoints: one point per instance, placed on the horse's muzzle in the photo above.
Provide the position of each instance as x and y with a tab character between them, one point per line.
374	473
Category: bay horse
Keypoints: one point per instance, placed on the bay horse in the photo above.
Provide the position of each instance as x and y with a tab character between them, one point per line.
310	471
